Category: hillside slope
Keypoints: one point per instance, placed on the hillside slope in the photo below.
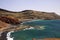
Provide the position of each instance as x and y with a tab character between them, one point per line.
30	14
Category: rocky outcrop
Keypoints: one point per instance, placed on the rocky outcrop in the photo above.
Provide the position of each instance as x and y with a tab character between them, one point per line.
8	22
3	35
4	26
9	19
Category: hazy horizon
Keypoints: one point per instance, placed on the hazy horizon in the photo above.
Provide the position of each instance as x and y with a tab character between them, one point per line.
39	5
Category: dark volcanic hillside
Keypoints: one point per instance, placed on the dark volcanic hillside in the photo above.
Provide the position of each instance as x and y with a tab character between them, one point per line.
30	14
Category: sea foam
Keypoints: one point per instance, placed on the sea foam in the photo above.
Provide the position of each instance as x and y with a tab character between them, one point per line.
8	35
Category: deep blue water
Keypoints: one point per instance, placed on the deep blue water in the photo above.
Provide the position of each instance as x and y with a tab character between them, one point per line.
52	30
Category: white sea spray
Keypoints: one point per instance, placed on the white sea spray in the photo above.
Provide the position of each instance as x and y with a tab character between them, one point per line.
29	28
8	35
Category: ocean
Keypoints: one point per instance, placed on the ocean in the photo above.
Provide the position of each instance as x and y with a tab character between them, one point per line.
43	29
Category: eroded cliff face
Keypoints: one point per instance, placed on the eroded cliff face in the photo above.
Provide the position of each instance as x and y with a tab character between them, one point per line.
7	23
9	19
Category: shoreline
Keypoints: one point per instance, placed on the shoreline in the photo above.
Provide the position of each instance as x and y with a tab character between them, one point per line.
6	35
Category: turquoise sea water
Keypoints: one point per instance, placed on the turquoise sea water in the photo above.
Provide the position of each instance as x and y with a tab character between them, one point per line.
52	30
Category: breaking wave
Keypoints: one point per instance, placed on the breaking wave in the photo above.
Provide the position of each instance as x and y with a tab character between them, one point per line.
9	35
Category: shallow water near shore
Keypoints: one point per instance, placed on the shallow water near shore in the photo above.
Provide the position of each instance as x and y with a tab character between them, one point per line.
50	29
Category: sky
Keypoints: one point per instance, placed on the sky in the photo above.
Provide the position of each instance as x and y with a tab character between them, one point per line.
39	5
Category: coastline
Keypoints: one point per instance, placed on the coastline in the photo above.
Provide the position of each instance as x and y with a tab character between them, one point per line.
6	35
12	21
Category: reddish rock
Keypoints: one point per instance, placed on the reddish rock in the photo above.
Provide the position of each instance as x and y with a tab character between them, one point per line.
4	26
9	19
